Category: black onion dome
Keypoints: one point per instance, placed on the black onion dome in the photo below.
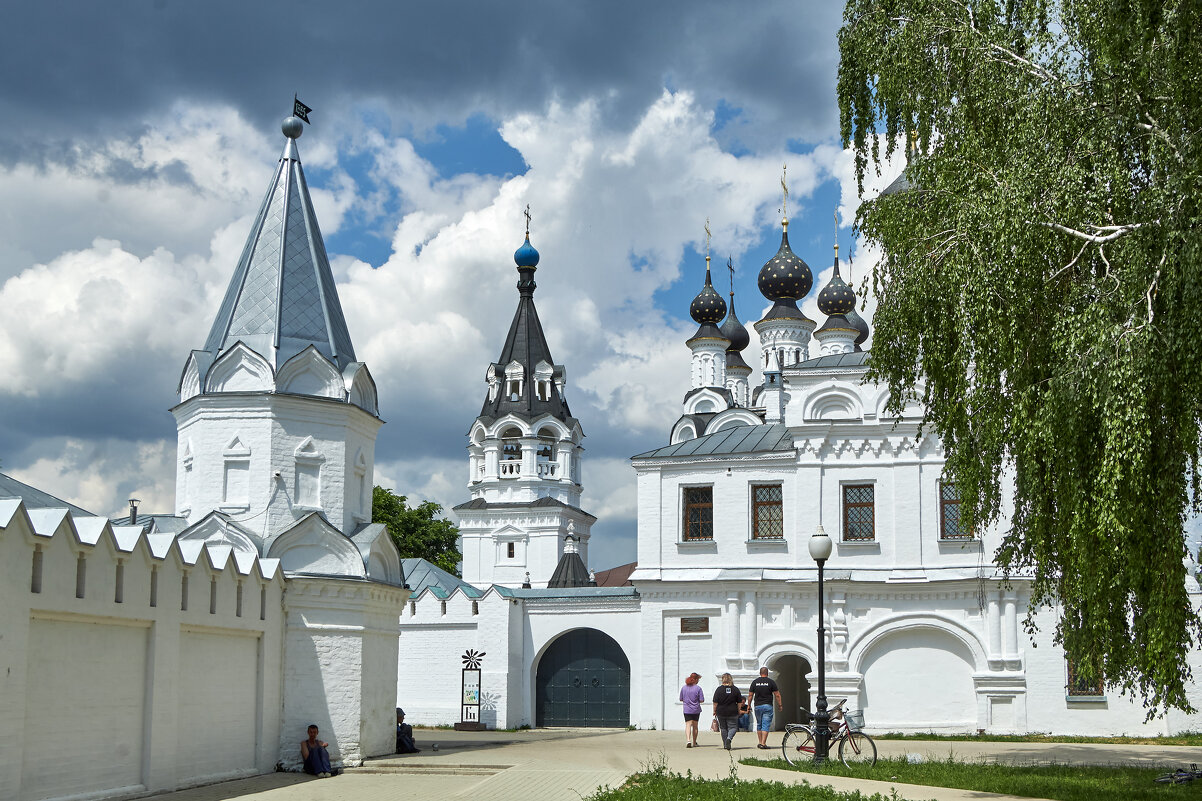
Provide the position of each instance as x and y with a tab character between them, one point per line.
733	330
785	276
860	325
836	297
708	306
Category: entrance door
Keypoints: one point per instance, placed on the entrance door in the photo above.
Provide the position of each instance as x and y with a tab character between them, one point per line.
790	673
583	679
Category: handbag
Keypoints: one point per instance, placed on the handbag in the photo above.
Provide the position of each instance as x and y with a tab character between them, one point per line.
713	724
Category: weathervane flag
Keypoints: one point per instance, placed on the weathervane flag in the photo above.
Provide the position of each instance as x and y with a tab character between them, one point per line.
300	110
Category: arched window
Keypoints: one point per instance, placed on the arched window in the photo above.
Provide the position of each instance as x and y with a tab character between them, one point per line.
511	453
547	465
514	375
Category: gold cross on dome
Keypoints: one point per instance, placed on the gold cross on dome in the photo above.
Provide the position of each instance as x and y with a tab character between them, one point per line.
707	238
527	213
784	171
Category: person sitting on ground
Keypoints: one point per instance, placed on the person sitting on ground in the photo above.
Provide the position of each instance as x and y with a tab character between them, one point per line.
315	755
405	744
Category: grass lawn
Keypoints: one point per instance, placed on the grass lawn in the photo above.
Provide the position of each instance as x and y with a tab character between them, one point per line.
1061	782
1185	738
658	784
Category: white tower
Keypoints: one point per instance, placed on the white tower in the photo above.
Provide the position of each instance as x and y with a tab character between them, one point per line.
524	455
277	420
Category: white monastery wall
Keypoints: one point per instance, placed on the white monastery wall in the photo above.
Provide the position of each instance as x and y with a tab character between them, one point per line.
513	633
124	658
340	658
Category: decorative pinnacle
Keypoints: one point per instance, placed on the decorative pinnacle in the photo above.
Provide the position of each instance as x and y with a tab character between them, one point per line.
707	250
527	213
784	206
836	234
730	265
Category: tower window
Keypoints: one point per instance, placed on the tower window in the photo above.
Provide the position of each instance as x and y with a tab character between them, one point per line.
236	486
698	521
859	514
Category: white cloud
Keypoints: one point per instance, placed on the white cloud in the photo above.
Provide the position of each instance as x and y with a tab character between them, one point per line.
101	476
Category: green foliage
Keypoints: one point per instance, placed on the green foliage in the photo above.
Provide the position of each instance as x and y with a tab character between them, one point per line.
417	531
1187	738
1059	782
1041	292
657	783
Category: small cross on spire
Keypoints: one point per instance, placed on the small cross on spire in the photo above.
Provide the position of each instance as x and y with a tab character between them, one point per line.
527	213
730	265
784	171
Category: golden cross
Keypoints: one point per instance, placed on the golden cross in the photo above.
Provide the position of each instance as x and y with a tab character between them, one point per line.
527	213
836	233
707	238
784	170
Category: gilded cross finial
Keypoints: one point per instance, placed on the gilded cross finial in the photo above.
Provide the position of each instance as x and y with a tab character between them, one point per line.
730	265
707	238
527	213
836	233
784	188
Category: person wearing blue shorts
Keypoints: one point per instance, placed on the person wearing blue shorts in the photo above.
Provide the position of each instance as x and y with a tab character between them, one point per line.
763	692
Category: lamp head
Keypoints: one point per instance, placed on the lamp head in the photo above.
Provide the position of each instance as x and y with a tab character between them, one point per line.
820	545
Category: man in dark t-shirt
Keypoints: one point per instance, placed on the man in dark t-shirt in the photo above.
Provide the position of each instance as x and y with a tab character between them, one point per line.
762	692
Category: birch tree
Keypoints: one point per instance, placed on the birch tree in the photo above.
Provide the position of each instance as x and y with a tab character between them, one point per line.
1043	279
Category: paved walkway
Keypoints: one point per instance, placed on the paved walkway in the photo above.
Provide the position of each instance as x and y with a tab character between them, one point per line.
568	765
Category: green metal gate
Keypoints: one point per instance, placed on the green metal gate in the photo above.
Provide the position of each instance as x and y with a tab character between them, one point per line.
583	679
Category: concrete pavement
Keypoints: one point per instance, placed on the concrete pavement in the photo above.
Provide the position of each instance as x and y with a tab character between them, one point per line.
567	765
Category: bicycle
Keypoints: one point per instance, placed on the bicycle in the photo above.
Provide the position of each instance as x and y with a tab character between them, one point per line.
1181	775
855	747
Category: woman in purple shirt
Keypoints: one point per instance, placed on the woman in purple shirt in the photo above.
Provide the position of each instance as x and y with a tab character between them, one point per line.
693	696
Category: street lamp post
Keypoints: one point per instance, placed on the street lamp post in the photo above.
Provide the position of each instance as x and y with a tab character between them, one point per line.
820	550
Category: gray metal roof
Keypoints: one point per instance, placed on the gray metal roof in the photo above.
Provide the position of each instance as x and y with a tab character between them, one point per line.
566	592
855	359
480	503
421	574
34	498
282	296
735	439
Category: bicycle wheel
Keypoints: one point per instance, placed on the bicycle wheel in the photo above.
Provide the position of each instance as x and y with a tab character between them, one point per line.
1176	777
857	748
798	746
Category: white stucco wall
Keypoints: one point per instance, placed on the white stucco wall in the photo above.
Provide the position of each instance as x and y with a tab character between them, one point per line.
108	696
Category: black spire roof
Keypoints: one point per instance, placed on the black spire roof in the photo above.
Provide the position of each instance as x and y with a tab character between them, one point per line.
571	571
527	345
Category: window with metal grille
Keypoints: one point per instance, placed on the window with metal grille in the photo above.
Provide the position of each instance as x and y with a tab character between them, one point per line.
1078	687
859	515
698	513
950	527
767	512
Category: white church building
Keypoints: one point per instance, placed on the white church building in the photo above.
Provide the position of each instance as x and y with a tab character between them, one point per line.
922	633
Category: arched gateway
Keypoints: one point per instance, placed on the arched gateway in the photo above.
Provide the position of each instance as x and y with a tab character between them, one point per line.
583	679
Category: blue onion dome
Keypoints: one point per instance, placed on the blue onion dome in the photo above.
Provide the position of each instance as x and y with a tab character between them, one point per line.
733	330
526	256
785	276
836	297
708	306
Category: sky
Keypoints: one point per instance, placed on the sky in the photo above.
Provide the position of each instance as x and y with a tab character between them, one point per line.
139	139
